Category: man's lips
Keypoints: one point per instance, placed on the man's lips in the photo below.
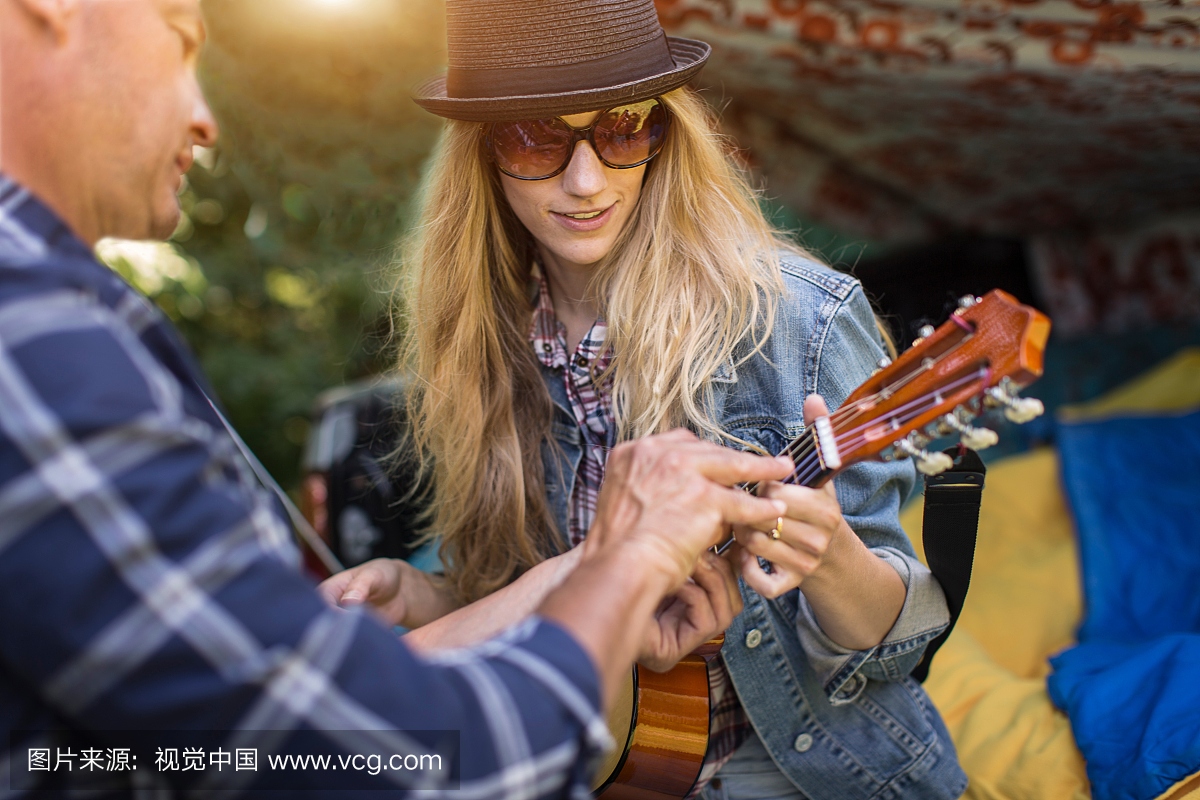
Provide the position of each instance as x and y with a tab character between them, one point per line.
587	223
183	162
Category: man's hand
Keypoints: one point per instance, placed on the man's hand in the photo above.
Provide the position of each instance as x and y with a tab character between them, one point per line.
672	496
665	499
700	610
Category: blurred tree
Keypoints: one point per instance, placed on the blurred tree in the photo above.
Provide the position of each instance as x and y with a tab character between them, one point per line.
280	272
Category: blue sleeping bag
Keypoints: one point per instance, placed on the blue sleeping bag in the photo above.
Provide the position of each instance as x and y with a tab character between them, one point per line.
1132	685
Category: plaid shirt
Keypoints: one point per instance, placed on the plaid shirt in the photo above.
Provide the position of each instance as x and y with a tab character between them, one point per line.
591	404
148	583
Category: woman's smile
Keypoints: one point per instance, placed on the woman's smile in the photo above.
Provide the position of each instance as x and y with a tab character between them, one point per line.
584	220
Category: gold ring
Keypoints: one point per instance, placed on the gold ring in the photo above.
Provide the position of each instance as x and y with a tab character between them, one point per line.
777	531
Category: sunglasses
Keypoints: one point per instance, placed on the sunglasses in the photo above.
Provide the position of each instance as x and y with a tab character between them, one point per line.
622	136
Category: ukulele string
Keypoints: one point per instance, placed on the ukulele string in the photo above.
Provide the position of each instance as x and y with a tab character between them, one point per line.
802	450
845	441
862	405
810	472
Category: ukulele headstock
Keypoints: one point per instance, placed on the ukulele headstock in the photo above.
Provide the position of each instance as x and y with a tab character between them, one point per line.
978	360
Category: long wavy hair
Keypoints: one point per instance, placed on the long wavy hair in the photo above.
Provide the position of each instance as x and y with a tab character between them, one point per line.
694	273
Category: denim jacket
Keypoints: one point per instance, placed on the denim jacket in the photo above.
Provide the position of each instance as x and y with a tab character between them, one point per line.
840	724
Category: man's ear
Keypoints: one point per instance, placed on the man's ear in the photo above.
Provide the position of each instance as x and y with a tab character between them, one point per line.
52	15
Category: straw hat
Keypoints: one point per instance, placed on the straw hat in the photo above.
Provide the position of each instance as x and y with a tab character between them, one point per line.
522	59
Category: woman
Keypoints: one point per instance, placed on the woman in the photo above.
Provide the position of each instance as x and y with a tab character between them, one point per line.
592	266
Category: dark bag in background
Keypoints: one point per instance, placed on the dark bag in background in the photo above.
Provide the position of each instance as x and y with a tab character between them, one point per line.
357	493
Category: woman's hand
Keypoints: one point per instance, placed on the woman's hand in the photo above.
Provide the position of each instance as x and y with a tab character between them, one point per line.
855	595
397	591
811	525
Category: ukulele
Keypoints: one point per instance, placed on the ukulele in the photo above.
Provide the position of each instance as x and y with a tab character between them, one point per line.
975	362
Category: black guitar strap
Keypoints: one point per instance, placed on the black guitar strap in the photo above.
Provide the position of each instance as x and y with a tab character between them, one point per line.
948	533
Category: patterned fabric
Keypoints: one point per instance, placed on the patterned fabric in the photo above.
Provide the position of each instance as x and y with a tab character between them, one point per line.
1113	282
590	402
592	407
148	583
728	725
898	120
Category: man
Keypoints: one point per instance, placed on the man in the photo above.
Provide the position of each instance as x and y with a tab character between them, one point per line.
147	583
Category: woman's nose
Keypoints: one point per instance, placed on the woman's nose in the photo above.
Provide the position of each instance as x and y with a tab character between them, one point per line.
585	175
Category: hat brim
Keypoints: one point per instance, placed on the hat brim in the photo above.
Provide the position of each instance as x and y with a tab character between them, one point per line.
689	56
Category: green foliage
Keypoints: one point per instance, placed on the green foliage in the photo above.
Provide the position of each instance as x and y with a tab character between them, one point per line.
279	299
279	274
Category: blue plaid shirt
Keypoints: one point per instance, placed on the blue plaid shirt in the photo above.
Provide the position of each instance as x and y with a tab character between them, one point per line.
147	582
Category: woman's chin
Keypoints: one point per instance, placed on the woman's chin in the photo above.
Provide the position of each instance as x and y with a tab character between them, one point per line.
579	256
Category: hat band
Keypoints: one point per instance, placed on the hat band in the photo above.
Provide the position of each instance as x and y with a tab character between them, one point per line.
647	60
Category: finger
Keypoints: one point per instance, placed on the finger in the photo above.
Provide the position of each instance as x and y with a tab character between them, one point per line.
803	559
360	588
738	507
725	567
814	406
772	585
698	610
792	534
816	507
331	589
731	467
709	577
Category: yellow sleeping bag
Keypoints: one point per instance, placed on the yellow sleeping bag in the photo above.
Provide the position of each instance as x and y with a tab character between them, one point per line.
1024	604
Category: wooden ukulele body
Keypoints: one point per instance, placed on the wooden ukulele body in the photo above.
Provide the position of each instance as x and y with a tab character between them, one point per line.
660	723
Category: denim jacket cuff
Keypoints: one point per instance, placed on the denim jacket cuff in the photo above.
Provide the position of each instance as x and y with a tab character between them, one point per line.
844	672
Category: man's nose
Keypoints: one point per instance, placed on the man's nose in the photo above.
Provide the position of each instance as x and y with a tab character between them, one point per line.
585	175
204	126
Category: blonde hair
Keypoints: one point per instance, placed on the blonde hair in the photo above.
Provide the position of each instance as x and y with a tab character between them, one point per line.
694	273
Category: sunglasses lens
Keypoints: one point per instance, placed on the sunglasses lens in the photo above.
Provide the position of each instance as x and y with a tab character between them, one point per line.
531	148
631	134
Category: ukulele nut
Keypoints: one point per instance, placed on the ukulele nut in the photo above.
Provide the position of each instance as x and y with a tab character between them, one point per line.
827	447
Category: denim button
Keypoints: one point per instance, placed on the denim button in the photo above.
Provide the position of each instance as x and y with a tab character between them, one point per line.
803	743
753	638
851	690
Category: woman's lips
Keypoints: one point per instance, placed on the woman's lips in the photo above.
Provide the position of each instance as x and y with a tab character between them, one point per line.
591	224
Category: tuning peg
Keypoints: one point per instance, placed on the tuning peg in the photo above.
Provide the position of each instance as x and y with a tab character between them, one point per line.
927	463
1024	409
1017	409
923	333
979	438
933	463
967	301
972	437
883	363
